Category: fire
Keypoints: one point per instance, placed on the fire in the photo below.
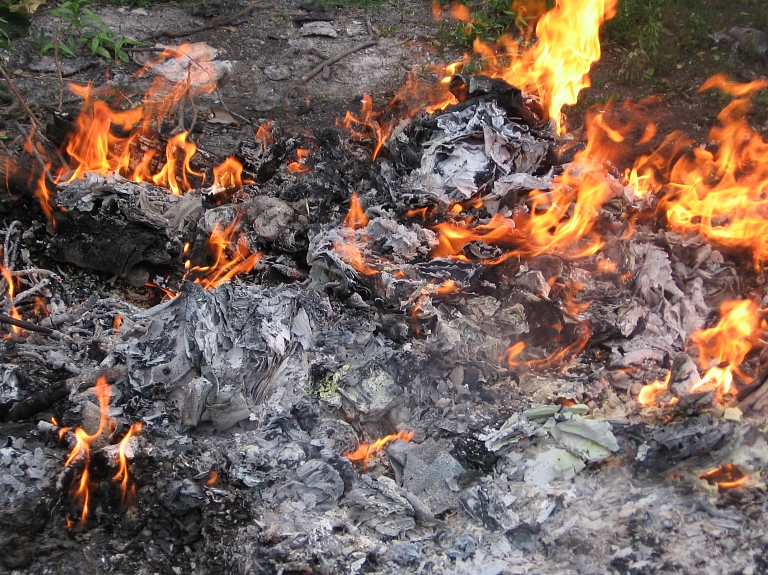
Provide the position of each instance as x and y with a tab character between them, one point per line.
299	166
82	448
369	124
563	356
105	140
264	134
560	219
81	452
117	322
719	194
213	477
725	477
556	66
231	257
649	395
349	243
14	313
725	346
367	450
228	174
122	459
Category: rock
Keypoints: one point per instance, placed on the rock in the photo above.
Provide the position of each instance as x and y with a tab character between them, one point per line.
356	28
318	29
278	73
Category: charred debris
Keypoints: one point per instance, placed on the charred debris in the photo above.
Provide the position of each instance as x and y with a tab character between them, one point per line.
517	370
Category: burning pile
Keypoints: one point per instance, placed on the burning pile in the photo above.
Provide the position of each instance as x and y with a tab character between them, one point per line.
491	306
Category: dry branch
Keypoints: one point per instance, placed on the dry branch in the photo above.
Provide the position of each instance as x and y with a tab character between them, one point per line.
319	68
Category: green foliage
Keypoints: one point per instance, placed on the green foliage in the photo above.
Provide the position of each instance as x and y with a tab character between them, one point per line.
85	32
365	4
489	19
13	24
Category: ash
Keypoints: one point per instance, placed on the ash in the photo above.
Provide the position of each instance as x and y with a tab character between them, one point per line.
251	393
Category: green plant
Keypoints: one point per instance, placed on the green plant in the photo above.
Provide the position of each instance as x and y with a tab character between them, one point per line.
487	20
85	31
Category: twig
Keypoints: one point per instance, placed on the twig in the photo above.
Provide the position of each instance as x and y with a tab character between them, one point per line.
10	251
29	326
31	291
32	146
222	20
58	67
368	25
11	85
319	68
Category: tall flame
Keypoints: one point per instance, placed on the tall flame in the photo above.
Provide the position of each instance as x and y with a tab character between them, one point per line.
721	194
122	461
82	448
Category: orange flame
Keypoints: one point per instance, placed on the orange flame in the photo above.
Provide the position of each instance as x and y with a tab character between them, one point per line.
725	346
264	134
563	356
122	473
82	448
231	257
722	194
725	477
557	65
213	477
107	141
560	219
367	450
299	166
349	244
228	174
367	125
649	395
117	322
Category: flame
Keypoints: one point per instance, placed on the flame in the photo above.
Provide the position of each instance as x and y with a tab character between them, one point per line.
725	477
725	346
14	313
299	166
349	242
264	134
82	448
556	66
169	293
231	257
649	395
122	472
228	174
213	477
106	140
117	322
719	194
460	12
563	356
368	124
559	219
367	450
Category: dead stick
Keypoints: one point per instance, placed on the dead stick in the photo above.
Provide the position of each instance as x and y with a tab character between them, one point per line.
32	146
25	324
11	85
58	68
215	23
319	68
